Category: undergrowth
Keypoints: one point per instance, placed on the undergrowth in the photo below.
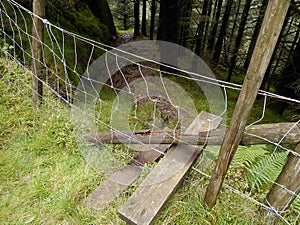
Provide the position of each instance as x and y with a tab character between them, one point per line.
44	178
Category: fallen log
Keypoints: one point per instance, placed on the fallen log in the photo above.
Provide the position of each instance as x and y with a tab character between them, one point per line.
256	134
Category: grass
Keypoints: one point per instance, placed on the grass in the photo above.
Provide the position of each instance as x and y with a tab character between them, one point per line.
44	178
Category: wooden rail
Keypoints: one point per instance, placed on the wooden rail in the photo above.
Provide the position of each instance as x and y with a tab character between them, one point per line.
256	134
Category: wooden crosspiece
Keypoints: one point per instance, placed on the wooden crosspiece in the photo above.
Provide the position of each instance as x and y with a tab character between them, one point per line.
152	194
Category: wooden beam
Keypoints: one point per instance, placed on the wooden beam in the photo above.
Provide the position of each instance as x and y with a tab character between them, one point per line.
149	198
272	132
119	181
267	39
37	51
280	196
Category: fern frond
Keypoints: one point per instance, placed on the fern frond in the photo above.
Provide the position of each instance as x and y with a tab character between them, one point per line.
296	204
261	167
266	170
246	156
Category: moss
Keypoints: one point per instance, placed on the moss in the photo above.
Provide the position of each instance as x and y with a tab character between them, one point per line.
81	19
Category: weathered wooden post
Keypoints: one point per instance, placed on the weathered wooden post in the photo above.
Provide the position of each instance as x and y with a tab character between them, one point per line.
37	51
268	36
286	186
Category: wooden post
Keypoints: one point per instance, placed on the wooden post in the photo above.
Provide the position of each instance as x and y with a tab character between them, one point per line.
268	36
37	51
281	198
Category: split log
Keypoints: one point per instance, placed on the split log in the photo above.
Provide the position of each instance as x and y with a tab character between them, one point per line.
256	134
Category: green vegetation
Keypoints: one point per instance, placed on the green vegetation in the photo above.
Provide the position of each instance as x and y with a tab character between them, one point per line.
44	179
74	16
43	175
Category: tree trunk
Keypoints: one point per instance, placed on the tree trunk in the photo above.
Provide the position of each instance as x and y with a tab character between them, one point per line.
136	18
101	10
222	34
144	18
255	33
211	41
169	21
186	8
233	29
239	38
152	22
208	24
201	26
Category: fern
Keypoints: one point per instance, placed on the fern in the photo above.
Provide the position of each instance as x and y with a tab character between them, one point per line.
246	156
296	205
260	166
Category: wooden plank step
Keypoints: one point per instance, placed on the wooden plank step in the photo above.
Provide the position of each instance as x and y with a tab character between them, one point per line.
149	198
121	180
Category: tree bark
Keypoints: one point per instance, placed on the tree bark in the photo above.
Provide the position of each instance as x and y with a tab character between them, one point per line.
169	16
101	10
186	8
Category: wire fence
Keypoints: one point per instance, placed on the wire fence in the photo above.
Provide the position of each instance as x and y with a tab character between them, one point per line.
152	87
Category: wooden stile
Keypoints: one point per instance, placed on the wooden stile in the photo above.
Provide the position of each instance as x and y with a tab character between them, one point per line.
152	194
121	180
